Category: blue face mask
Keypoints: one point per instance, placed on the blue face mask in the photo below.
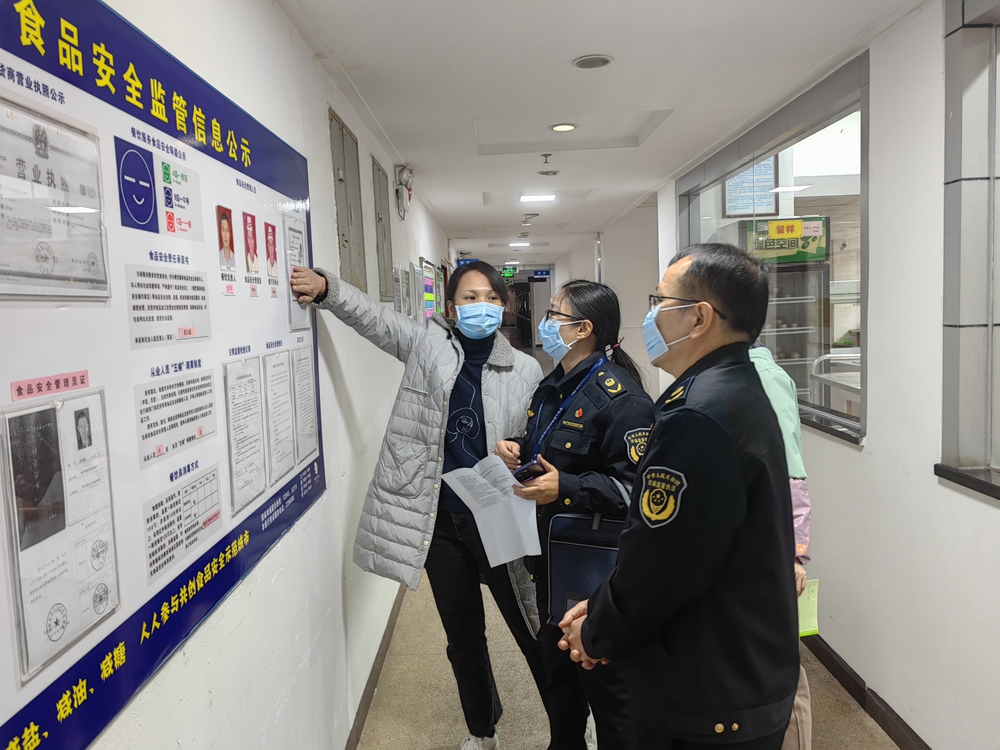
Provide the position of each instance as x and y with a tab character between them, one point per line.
552	343
656	346
479	320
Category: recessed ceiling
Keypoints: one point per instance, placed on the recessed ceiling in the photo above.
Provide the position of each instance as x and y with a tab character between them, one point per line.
465	93
512	134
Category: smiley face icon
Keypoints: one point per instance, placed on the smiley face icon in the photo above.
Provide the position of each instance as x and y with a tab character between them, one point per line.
136	187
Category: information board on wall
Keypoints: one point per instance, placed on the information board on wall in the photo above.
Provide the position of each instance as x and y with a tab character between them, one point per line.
161	428
750	193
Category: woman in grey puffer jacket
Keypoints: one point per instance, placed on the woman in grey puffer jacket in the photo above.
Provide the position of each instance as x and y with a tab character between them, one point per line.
464	388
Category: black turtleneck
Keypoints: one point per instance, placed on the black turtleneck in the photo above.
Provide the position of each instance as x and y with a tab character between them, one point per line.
465	441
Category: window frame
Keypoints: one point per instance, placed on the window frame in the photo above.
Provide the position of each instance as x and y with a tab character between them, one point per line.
836	95
969	449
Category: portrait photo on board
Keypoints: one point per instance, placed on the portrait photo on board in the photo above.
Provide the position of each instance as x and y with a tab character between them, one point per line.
36	471
224	222
271	247
250	242
81	419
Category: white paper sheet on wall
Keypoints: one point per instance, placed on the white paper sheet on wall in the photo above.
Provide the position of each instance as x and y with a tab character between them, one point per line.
279	415
246	431
57	473
306	433
51	242
296	254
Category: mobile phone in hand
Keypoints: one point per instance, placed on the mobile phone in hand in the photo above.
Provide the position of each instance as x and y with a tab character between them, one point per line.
529	471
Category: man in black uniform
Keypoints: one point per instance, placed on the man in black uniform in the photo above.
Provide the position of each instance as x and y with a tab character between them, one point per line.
700	610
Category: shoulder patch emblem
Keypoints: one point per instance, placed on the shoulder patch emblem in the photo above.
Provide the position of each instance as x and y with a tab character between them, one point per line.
636	442
662	489
677	393
613	386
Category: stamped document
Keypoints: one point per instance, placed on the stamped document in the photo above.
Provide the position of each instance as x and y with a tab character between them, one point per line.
506	522
50	209
64	548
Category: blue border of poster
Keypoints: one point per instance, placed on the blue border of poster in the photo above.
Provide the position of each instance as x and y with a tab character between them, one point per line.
180	104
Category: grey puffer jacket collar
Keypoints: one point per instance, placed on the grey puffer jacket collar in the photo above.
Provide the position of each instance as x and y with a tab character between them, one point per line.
397	522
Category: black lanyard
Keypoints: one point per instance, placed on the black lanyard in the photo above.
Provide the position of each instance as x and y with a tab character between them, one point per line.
563	408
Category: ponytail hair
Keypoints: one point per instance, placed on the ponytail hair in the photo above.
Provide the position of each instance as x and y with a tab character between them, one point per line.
599	304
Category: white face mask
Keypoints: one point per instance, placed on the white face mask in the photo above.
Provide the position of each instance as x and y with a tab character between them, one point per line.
656	345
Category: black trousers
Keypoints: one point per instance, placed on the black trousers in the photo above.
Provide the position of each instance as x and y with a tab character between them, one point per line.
456	565
604	688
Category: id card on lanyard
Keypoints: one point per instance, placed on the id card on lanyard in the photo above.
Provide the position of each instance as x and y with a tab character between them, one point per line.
562	409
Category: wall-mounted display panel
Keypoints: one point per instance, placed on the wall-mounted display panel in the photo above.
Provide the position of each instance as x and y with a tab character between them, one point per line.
160	430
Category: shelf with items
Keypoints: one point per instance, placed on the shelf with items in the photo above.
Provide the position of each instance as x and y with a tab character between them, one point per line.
787	331
791	300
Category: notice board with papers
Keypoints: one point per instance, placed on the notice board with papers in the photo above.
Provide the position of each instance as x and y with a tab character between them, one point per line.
159	423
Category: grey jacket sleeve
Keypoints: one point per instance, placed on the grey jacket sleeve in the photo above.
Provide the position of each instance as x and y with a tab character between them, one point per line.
392	332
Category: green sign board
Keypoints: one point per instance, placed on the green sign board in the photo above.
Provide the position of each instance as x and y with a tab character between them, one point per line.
787	240
508	272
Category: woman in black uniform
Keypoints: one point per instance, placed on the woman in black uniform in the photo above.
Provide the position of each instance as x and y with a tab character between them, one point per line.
587	428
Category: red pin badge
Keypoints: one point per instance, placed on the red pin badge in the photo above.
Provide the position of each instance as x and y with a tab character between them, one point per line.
579	413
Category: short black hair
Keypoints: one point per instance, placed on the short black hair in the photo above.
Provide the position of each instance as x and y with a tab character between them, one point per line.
490	272
731	280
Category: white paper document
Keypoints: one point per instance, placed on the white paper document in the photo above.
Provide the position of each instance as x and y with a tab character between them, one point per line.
506	522
297	254
246	431
63	537
306	438
51	242
279	414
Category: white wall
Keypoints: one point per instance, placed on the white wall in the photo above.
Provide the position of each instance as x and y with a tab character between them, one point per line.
284	659
630	266
579	263
909	564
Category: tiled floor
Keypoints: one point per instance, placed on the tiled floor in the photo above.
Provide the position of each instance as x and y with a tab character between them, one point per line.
416	706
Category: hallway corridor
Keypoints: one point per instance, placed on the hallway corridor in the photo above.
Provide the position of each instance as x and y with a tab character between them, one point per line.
416	705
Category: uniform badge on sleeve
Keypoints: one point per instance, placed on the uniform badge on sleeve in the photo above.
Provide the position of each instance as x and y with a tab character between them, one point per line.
661	495
636	442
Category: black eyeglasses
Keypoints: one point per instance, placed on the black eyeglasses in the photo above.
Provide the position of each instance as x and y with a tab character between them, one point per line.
572	318
655	300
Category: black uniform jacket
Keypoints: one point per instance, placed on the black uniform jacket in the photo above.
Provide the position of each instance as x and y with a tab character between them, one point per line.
598	441
701	608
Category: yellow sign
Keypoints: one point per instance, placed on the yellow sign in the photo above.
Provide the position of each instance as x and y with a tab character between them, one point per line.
784	229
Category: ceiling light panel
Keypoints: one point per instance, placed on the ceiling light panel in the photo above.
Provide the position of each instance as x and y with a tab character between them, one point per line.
563	127
526	197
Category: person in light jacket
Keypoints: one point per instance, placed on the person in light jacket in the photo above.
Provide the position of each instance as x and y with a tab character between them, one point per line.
780	390
464	388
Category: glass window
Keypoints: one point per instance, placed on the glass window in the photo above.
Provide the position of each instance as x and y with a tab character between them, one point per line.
799	209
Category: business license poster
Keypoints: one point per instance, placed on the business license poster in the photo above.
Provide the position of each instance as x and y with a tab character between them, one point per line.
159	415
